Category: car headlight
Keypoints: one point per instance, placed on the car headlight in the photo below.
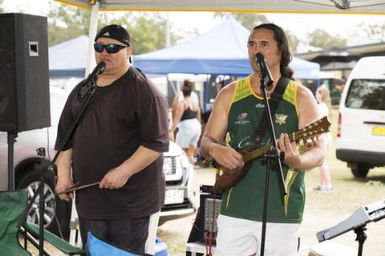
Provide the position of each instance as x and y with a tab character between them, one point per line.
169	165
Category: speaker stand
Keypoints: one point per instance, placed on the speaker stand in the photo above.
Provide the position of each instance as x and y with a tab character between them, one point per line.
11	139
40	193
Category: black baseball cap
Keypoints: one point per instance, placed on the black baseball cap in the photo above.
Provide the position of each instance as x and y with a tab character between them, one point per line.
115	32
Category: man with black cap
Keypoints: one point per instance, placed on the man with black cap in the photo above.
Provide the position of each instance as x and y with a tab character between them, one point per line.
119	142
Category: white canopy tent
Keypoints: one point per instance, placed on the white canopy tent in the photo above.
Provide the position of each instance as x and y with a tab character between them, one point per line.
263	6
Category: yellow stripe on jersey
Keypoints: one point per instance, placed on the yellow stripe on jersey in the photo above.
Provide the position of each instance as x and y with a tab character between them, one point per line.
242	89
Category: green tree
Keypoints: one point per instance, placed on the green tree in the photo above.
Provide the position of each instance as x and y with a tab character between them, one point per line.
375	31
1	8
293	41
248	20
146	29
322	39
65	22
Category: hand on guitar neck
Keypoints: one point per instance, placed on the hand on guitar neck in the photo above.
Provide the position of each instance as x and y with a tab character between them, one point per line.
227	178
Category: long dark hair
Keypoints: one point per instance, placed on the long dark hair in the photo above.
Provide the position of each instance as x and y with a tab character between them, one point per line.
283	46
187	88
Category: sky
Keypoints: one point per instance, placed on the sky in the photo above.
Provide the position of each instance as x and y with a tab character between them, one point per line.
300	24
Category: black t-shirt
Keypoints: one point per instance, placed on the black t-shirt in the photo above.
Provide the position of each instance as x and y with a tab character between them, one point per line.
120	117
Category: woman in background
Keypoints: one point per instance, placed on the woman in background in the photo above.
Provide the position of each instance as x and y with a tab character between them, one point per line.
187	119
324	107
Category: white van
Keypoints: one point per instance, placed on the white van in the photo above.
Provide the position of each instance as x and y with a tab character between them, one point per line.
361	121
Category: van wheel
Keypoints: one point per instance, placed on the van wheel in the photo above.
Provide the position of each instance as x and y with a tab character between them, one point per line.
56	212
360	170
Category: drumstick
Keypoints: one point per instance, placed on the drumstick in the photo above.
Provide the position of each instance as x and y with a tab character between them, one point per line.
78	187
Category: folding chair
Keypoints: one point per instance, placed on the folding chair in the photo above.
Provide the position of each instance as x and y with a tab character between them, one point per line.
12	208
54	240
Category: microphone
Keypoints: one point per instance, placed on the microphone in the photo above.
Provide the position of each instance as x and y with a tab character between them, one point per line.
90	82
264	69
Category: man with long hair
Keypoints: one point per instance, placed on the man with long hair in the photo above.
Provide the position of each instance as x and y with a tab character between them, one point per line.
238	110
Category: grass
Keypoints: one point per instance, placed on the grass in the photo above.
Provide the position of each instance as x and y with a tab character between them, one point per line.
322	210
325	210
356	191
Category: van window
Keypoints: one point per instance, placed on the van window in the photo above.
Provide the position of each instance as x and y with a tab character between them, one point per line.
366	94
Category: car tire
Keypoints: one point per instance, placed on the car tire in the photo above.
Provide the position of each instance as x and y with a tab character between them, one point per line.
360	170
57	212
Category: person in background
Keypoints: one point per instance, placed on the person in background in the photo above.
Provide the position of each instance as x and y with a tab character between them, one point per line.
324	107
326	84
187	120
119	142
179	97
237	110
340	86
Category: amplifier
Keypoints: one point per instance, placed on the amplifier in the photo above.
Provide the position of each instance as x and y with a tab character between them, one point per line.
207	214
212	208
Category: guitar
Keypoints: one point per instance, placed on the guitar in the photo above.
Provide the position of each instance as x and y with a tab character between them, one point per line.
227	178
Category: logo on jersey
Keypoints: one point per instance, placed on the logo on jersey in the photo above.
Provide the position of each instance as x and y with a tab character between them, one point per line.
280	119
245	142
242	118
259	105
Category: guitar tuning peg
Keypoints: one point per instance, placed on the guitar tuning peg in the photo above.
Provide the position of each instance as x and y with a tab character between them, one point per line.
301	142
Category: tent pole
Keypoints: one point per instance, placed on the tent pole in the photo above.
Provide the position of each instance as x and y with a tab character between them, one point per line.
91	35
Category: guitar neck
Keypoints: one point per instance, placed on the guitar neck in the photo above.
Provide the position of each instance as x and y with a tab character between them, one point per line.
310	131
318	127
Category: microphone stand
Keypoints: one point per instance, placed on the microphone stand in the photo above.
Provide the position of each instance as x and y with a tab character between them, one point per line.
273	155
86	91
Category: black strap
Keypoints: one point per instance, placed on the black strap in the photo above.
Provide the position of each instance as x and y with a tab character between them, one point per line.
274	101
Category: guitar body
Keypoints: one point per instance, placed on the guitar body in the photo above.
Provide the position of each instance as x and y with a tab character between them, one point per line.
226	178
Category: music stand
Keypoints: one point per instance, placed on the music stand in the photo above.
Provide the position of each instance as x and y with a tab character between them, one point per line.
357	221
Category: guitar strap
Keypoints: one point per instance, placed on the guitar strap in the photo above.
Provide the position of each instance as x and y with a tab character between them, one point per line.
274	101
260	132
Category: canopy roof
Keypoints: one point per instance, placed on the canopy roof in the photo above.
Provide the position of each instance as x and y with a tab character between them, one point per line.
263	6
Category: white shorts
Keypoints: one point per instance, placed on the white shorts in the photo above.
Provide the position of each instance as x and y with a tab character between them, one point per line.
243	237
188	133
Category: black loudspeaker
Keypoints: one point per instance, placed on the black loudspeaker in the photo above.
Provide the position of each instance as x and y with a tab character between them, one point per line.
24	81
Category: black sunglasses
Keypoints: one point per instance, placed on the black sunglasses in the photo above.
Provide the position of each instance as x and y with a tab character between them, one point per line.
110	48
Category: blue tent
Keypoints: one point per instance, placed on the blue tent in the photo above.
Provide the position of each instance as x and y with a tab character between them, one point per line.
220	51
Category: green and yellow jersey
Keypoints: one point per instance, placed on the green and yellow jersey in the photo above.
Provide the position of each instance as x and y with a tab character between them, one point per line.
245	199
